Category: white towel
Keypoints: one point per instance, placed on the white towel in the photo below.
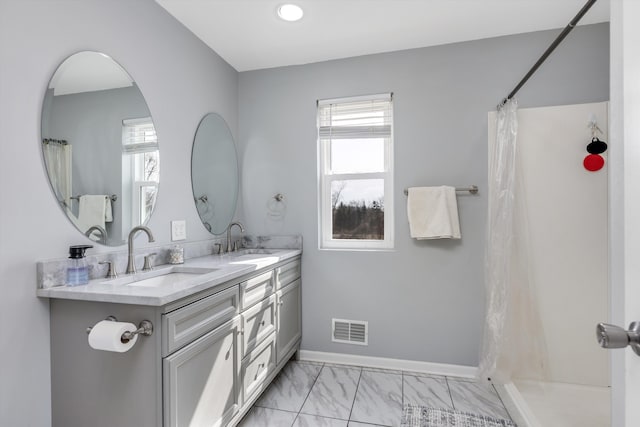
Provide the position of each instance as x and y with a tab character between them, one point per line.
433	213
108	210
93	211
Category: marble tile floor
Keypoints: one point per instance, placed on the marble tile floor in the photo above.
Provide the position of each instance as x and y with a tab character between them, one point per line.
309	394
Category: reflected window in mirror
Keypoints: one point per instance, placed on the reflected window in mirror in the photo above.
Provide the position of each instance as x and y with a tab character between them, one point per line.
141	167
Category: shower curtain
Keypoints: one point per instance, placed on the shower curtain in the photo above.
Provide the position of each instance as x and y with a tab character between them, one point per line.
513	342
57	158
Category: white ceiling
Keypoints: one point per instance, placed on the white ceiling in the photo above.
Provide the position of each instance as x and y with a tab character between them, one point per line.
249	35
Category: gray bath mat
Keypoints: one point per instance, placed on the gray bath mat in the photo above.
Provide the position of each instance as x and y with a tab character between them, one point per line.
420	416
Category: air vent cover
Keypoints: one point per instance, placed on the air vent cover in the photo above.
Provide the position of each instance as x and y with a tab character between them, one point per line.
350	331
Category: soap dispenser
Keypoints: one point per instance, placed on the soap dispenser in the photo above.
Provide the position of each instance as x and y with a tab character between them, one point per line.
77	270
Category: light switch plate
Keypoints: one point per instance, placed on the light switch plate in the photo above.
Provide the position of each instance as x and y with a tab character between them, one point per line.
178	230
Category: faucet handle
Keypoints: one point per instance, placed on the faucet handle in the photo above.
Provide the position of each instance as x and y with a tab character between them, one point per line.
111	271
147	262
237	245
219	246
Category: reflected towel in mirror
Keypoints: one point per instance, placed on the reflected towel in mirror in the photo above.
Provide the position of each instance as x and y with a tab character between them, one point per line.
94	209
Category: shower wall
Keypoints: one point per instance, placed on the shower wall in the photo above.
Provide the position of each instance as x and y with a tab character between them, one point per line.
566	210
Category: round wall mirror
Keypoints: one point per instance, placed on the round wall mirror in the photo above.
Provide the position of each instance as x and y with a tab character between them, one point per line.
214	173
100	147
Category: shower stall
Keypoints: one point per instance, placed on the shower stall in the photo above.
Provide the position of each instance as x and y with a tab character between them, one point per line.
556	374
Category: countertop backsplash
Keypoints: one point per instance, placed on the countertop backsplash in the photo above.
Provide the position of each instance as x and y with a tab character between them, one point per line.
52	272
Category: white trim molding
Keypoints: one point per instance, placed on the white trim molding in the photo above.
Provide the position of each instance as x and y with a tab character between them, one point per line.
388	363
517	406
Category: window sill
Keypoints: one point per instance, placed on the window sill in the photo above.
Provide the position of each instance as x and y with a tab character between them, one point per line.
357	249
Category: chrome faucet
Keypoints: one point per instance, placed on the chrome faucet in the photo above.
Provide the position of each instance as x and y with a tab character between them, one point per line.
229	233
131	264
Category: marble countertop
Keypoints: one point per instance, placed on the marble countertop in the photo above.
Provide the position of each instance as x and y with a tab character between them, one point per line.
125	290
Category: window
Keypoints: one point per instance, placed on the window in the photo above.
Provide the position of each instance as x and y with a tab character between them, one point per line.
141	166
355	146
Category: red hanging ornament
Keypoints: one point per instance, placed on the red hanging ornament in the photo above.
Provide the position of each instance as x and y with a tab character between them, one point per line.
593	162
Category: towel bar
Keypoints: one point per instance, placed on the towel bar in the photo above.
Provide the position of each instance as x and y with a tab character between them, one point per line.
472	189
113	197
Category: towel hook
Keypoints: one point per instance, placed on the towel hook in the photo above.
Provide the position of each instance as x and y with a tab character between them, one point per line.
593	125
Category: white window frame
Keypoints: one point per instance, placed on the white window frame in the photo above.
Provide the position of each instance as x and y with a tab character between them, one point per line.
138	201
326	177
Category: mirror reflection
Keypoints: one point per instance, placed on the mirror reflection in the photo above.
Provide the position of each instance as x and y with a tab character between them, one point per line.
214	173
100	147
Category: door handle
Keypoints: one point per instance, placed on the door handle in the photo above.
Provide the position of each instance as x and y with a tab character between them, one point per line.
612	336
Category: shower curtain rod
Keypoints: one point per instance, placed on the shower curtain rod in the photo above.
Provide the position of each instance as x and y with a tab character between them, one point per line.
550	49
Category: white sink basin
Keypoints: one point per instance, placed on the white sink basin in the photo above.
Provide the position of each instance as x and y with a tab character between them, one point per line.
161	277
164	280
258	257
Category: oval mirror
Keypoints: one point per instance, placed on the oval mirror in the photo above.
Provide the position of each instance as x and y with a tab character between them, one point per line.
214	173
100	147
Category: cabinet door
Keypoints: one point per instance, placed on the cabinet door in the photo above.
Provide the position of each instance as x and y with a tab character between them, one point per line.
289	328
201	382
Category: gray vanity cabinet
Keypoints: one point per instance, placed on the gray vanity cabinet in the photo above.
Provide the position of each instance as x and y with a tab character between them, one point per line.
202	381
210	356
211	377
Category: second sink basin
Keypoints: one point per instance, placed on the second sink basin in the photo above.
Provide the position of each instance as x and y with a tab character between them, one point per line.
257	257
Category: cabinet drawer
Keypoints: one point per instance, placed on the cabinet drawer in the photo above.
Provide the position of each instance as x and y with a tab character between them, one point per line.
257	366
257	323
256	289
184	325
287	273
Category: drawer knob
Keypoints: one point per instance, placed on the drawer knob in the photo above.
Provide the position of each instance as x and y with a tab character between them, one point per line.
262	323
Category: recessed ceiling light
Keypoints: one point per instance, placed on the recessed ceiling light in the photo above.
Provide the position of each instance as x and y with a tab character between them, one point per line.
290	12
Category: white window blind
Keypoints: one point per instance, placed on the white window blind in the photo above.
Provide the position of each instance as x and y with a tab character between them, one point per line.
138	136
355	119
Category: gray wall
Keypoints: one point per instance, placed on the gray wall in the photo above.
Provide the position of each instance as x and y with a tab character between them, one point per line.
181	80
425	300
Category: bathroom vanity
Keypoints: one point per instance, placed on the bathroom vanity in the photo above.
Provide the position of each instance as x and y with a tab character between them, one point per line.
223	325
219	339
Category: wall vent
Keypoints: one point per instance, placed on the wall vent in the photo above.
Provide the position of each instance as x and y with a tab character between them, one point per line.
350	331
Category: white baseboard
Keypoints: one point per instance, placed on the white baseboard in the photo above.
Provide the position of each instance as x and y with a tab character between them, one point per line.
387	363
517	406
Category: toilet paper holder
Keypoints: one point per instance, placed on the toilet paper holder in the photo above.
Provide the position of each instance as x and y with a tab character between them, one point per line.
145	328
